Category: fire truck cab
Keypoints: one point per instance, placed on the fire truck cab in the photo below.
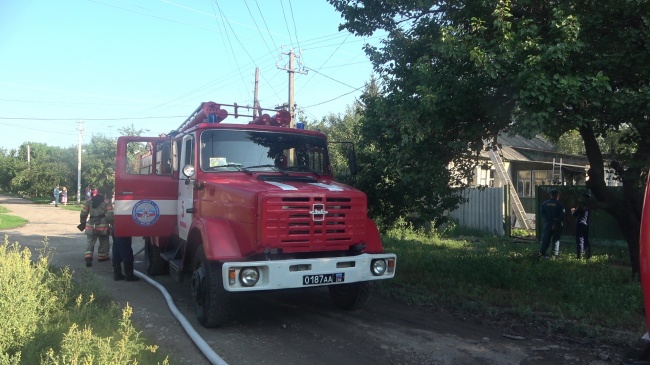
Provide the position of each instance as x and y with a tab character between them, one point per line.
244	207
644	258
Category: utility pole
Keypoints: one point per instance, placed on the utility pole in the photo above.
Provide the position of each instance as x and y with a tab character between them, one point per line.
291	71
256	101
81	131
292	100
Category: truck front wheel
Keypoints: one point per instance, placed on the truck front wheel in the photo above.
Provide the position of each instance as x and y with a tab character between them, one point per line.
209	297
350	296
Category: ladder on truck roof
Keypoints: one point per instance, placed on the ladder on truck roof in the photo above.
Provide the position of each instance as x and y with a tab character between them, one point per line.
515	203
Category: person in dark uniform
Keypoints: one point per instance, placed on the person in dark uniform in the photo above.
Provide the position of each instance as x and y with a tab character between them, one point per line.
123	253
552	212
581	214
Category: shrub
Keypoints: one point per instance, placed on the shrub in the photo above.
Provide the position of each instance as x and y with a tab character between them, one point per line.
30	295
41	322
82	346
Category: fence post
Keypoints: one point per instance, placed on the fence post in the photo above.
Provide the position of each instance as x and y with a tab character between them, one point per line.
507	227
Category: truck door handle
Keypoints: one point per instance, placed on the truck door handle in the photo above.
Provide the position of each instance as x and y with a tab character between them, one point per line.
190	210
126	193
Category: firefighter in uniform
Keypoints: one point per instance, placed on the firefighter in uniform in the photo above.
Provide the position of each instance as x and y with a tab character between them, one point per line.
96	217
552	211
123	253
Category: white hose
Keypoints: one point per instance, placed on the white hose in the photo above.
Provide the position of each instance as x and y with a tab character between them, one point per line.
196	338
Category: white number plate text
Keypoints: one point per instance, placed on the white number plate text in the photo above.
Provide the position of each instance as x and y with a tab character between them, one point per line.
323	279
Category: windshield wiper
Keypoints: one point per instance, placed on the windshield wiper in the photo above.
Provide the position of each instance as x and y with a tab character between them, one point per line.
238	166
269	165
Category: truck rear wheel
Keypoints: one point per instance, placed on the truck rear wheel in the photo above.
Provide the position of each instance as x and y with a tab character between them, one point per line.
350	296
209	297
153	262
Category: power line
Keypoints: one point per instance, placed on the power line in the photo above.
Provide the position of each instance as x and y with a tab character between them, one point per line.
345	64
215	2
258	28
266	25
37	129
322	74
295	30
85	119
340	96
284	14
151	16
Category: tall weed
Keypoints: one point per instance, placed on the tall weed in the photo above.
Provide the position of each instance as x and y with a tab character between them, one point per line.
30	294
82	346
41	322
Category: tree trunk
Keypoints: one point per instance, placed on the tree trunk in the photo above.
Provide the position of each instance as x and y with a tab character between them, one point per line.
625	210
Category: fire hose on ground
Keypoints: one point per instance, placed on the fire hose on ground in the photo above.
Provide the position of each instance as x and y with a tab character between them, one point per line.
194	336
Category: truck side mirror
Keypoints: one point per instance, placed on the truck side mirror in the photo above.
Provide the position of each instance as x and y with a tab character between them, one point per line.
352	161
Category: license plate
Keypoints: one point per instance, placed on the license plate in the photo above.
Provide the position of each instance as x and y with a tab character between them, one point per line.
321	279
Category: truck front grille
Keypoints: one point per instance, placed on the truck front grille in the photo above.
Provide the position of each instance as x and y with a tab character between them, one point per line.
312	223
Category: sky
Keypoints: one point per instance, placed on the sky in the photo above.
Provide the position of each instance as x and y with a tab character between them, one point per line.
105	65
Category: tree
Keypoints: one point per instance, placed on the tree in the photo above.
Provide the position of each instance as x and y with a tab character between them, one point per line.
457	73
8	167
46	167
99	163
342	134
132	131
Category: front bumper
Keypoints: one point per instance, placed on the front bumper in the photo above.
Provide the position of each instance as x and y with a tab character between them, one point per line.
287	274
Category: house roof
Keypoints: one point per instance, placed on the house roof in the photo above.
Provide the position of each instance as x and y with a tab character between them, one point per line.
509	143
537	149
536	143
510	154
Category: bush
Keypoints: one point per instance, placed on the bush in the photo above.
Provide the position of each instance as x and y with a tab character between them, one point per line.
36	310
82	346
31	295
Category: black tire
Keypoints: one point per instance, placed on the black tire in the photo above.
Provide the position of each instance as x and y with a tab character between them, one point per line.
350	296
210	299
153	262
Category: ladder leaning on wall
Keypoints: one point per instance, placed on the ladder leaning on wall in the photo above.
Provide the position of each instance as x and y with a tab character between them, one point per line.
557	172
520	213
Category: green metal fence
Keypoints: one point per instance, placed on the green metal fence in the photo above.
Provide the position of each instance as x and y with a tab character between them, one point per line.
603	229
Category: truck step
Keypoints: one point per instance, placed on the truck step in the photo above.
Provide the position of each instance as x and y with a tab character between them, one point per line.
168	255
175	270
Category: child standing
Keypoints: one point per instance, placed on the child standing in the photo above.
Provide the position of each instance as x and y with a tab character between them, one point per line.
64	196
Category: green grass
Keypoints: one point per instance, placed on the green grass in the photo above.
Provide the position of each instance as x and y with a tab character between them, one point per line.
496	278
74	207
8	221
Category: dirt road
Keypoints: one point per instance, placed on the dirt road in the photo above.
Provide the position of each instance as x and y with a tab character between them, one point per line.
300	327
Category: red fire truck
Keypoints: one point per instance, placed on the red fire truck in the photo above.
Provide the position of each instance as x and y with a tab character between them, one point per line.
248	206
644	243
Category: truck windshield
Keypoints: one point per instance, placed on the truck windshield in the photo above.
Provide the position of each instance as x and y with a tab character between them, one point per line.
235	150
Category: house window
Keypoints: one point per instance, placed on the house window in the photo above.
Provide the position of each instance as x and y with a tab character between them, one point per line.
527	181
524	183
485	177
542	177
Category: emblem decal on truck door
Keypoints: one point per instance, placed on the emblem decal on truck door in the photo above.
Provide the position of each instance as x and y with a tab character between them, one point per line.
145	212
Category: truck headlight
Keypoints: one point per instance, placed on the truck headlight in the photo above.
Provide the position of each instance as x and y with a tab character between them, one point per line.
378	267
249	276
